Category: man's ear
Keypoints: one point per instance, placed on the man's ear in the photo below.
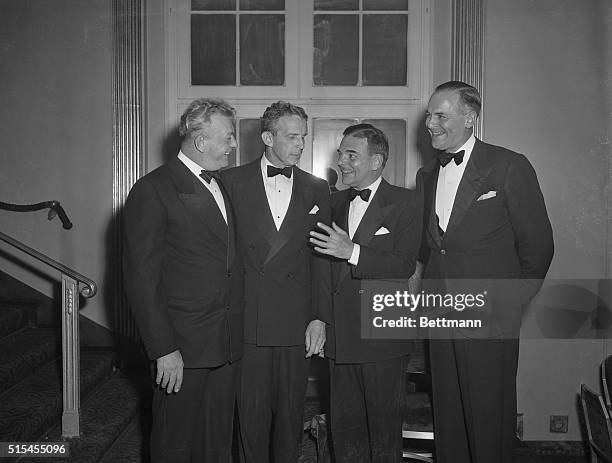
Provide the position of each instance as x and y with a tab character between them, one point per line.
470	119
377	161
199	142
266	137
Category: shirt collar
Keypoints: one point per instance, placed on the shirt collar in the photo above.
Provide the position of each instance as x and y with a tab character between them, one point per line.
264	169
190	164
468	146
373	187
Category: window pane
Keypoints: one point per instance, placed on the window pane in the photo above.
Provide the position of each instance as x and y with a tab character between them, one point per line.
333	5
262	49
384	49
326	137
385	5
213	49
336	49
249	140
262	4
207	5
395	130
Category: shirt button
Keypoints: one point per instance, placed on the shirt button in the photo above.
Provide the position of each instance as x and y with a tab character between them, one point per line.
442	251
227	307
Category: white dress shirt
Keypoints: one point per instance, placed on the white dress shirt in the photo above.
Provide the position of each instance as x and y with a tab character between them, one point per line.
213	186
357	209
278	191
448	183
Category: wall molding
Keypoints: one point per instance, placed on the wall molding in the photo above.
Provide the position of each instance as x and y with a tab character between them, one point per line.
468	47
128	137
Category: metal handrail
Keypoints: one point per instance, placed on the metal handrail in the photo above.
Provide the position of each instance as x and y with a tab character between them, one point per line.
89	290
70	333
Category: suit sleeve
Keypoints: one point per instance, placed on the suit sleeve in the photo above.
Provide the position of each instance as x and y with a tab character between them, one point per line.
144	228
321	266
399	262
533	239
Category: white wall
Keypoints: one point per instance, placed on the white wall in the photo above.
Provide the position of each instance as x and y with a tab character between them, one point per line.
56	132
547	95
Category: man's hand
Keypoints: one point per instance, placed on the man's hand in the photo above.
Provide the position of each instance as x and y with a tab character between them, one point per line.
170	372
315	338
335	243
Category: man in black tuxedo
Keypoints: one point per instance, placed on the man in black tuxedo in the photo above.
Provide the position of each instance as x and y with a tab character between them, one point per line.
484	219
287	286
184	283
375	235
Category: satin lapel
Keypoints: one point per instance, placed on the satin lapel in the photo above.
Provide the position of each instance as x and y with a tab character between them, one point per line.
469	186
373	217
253	194
340	215
231	228
203	207
294	219
430	181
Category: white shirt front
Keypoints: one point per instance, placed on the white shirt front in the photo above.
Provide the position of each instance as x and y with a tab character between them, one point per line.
213	186
448	183
357	209
278	191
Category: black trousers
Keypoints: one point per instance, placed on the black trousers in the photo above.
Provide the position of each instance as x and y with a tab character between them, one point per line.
366	404
195	425
474	399
271	403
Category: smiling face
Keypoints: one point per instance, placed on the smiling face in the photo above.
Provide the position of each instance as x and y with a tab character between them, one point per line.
284	146
358	167
448	122
215	142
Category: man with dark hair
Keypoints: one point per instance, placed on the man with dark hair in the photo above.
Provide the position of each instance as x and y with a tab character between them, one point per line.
485	220
374	235
287	285
184	284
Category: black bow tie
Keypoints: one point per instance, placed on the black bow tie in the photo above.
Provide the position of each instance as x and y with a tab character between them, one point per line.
208	175
274	171
445	158
363	194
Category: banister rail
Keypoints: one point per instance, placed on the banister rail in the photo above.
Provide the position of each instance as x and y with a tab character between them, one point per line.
55	208
89	290
71	280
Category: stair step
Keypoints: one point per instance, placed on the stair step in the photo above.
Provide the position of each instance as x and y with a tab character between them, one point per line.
105	414
14	316
132	445
35	403
22	352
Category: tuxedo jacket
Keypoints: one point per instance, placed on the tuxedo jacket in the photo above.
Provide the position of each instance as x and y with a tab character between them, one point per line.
391	255
498	228
182	270
287	285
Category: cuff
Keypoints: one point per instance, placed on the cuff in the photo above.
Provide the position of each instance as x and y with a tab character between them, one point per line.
354	259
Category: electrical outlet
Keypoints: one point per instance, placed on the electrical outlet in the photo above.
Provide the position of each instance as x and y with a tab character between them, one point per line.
519	426
558	423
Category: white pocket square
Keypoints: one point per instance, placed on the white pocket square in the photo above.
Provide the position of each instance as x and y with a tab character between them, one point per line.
381	231
487	195
314	209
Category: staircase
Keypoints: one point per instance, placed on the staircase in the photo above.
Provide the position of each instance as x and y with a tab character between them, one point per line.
112	400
